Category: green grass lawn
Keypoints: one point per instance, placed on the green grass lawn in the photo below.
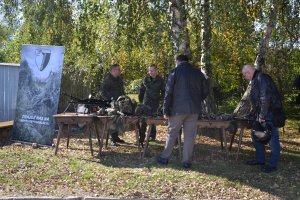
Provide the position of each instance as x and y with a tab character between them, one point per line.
119	172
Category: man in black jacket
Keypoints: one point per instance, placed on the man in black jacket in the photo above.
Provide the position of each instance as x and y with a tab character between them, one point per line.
185	90
265	99
112	88
151	93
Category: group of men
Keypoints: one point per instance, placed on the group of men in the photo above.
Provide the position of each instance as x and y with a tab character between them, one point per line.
182	95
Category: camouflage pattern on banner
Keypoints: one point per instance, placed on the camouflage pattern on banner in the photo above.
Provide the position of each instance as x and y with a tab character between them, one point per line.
38	93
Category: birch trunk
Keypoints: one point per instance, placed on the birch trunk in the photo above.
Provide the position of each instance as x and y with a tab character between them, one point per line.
180	34
206	66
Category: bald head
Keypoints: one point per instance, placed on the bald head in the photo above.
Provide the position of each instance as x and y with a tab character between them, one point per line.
248	72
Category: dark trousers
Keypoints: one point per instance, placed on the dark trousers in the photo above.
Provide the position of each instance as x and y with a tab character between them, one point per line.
142	126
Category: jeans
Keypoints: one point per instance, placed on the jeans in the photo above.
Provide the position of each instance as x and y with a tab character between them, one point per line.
274	146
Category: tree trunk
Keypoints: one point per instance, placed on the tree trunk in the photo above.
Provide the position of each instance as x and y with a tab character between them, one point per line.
244	107
206	66
261	57
180	34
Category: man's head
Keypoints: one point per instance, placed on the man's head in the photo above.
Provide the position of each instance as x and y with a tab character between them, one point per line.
248	72
181	59
115	70
152	71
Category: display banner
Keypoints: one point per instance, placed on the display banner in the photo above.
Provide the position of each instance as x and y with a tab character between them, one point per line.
38	93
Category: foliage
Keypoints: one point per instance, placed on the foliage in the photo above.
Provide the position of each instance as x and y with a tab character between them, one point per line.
138	33
134	86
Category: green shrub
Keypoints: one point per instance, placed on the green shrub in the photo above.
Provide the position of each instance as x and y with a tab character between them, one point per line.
134	86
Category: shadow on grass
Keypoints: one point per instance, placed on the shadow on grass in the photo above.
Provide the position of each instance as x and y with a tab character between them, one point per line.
210	160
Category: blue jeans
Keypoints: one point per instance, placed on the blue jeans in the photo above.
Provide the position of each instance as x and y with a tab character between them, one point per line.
274	146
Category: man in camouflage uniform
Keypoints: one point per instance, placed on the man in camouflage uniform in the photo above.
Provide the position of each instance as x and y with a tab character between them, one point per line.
151	93
112	88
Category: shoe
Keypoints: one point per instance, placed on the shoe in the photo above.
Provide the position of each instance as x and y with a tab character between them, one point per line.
141	143
152	138
254	162
113	143
268	169
162	161
187	165
119	140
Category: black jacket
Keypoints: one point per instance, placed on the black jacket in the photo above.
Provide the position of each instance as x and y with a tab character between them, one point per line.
112	87
185	90
264	95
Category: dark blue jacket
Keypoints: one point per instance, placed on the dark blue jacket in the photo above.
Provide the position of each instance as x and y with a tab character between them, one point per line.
186	88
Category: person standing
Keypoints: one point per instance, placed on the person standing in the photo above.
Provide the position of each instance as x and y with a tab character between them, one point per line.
265	99
112	88
186	88
151	94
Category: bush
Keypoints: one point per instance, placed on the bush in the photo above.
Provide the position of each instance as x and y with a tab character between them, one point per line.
134	86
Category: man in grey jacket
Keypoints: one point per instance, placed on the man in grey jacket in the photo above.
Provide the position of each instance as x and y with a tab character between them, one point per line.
185	90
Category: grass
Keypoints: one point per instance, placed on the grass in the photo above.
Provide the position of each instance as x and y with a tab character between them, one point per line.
120	173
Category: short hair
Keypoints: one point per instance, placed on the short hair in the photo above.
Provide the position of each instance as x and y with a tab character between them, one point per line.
182	58
153	66
248	66
113	66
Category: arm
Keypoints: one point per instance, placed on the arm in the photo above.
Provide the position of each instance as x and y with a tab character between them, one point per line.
105	90
122	87
264	97
169	93
142	92
162	89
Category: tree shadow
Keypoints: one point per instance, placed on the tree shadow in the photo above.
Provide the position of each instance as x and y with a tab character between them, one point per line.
210	159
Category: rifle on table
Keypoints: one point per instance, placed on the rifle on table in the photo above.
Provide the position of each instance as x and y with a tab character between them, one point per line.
87	105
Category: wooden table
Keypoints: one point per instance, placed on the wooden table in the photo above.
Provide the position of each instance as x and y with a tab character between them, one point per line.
218	124
91	122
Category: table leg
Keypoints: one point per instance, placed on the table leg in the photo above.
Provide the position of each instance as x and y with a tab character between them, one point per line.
107	134
240	142
102	137
98	136
231	141
60	130
137	137
147	139
221	137
68	136
90	138
225	141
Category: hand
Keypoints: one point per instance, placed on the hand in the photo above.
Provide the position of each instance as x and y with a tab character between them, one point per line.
166	116
261	120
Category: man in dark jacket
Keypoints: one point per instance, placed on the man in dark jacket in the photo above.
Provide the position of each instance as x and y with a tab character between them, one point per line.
265	99
185	90
112	88
151	93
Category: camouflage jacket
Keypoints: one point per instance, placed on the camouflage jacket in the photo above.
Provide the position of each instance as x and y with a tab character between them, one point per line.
112	88
152	90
